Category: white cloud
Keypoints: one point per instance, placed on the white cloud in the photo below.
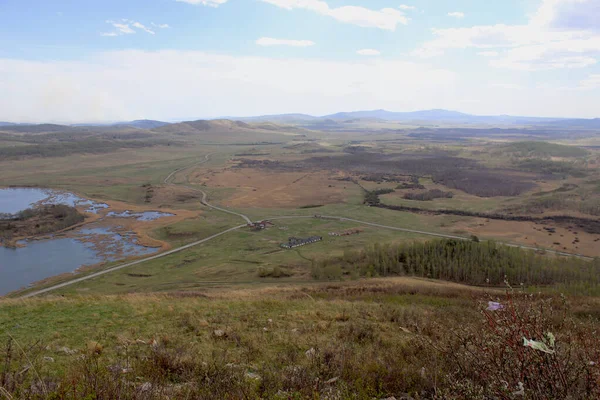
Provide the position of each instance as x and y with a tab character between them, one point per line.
122	27
106	86
558	35
368	52
266	41
386	18
143	27
126	27
592	82
543	57
456	14
210	3
488	53
511	86
406	7
568	14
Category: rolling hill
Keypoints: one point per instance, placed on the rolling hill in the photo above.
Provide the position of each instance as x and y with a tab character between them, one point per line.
143	124
284	118
577	123
40	128
225	130
277	122
423	116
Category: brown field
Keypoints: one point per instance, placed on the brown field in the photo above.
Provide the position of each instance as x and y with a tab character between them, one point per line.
271	189
173	196
532	234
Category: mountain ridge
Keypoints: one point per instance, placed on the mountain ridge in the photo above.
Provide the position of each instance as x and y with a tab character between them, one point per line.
379	115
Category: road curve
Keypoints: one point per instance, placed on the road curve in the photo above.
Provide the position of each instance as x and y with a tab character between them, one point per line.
206	203
204	200
167	180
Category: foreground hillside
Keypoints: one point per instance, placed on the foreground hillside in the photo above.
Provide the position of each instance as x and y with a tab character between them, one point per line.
401	337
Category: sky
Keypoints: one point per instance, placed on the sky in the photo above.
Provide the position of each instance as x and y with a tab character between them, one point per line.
74	61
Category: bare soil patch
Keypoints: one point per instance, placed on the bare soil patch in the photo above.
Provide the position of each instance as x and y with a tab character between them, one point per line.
556	237
165	196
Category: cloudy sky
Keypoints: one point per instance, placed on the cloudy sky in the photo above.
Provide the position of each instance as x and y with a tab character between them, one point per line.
112	60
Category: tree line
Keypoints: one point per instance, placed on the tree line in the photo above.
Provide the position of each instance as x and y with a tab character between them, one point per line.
462	261
429	195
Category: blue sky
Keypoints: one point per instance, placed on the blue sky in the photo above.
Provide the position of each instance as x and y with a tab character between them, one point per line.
73	61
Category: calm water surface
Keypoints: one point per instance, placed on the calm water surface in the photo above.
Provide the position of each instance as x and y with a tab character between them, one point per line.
42	259
141	216
14	200
45	258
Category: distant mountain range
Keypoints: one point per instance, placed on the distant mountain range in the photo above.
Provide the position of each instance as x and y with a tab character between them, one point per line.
216	127
143	124
139	123
424	115
436	116
278	118
338	120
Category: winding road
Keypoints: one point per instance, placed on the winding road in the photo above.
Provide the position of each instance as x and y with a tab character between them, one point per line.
204	201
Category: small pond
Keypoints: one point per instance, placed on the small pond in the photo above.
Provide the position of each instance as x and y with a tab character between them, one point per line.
141	216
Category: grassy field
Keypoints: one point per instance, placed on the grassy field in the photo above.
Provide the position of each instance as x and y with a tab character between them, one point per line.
363	340
265	324
237	258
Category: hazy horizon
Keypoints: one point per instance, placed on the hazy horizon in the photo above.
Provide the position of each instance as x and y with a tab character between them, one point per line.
80	62
177	120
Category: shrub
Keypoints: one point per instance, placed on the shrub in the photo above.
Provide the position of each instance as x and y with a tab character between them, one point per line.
491	360
275	272
429	195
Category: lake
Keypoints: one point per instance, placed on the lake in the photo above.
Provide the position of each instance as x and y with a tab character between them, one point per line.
88	245
42	259
18	199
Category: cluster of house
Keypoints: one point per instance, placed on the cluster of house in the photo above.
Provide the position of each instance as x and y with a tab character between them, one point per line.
347	232
260	225
297	242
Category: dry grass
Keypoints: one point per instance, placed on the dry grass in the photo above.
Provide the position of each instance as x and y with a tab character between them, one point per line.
532	234
364	340
275	189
